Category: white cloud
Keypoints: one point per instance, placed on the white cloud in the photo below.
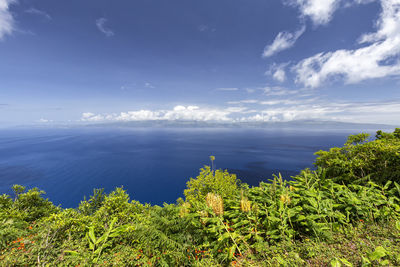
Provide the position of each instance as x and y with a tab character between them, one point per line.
100	23
281	102
244	101
319	11
236	109
277	71
278	91
6	18
42	120
279	75
38	12
379	58
178	113
266	111
283	41
375	112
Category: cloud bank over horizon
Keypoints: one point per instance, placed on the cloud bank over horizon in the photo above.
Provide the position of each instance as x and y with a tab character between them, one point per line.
267	111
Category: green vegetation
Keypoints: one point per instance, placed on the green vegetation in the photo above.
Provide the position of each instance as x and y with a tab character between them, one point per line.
344	213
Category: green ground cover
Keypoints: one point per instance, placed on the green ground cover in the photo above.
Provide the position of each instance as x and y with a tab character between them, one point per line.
346	212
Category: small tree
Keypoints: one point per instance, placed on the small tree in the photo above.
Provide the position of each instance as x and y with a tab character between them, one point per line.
359	160
218	182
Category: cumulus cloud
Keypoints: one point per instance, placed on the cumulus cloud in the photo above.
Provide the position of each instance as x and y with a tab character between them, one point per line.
278	72
38	12
283	41
378	57
6	18
100	23
273	110
178	113
319	11
374	112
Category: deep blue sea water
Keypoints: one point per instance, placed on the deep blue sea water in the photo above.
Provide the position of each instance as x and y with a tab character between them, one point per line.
153	165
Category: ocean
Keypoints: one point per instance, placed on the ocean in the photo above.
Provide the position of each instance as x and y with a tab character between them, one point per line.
152	164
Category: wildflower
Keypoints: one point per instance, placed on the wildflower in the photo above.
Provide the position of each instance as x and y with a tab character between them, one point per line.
245	204
184	210
285	199
30	227
215	202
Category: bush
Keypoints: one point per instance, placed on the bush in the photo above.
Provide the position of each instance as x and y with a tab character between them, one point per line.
209	181
359	161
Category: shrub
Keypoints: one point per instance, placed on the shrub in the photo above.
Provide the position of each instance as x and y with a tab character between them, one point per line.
359	161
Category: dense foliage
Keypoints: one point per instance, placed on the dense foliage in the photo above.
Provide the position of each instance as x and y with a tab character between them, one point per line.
359	160
344	213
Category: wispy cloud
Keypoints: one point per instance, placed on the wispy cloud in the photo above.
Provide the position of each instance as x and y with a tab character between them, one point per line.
278	72
149	85
228	89
6	18
279	91
206	28
42	120
244	101
378	59
100	23
38	12
283	41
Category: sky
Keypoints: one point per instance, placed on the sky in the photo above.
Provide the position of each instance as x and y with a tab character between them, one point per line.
228	60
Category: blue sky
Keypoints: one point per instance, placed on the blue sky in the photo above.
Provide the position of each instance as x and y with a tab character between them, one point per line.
227	60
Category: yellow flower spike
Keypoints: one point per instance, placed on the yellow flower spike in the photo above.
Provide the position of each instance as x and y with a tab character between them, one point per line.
245	204
215	202
285	199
